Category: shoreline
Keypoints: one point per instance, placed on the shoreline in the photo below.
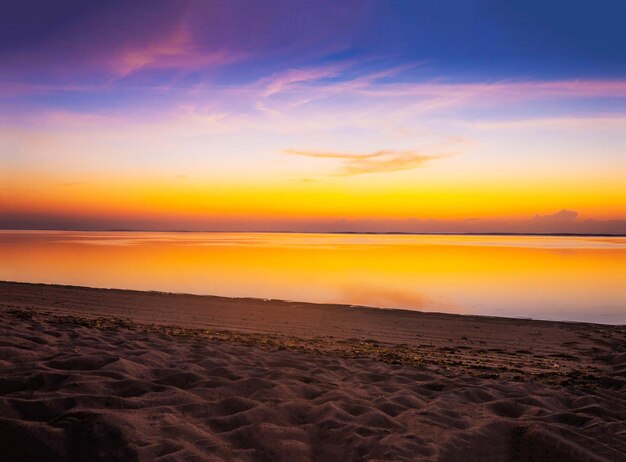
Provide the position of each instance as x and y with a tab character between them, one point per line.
303	303
115	375
364	233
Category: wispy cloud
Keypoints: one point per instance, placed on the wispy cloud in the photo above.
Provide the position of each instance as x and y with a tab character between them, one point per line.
375	162
279	83
504	90
425	96
175	49
604	121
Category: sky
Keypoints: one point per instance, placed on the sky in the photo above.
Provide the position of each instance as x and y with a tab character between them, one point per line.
409	116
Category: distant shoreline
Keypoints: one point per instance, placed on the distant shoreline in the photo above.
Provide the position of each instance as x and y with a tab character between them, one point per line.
365	233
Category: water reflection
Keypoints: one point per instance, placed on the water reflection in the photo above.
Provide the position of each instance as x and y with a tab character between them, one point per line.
572	278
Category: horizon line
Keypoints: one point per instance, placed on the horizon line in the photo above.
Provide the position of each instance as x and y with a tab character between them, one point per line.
408	233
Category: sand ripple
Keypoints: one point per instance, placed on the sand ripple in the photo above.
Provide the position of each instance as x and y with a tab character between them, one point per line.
69	392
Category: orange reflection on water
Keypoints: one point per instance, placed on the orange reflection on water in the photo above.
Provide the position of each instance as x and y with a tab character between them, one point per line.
570	278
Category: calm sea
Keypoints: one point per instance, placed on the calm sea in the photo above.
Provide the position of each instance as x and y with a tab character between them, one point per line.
557	278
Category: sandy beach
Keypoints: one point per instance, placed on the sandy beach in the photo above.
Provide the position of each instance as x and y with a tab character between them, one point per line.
312	231
95	374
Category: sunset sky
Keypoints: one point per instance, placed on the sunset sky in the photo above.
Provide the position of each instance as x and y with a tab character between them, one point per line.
423	116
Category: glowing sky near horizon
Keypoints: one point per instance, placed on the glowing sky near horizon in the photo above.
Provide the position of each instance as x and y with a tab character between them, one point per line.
454	116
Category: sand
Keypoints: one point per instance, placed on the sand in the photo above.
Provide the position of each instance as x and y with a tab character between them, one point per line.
93	374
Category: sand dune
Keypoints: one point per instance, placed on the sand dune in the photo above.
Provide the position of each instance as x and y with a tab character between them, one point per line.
111	375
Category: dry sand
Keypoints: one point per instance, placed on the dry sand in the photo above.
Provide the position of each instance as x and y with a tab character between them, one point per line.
92	374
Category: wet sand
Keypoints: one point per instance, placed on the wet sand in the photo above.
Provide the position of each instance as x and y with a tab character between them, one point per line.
94	374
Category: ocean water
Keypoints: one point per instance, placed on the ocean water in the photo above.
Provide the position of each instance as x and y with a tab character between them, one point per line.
539	277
